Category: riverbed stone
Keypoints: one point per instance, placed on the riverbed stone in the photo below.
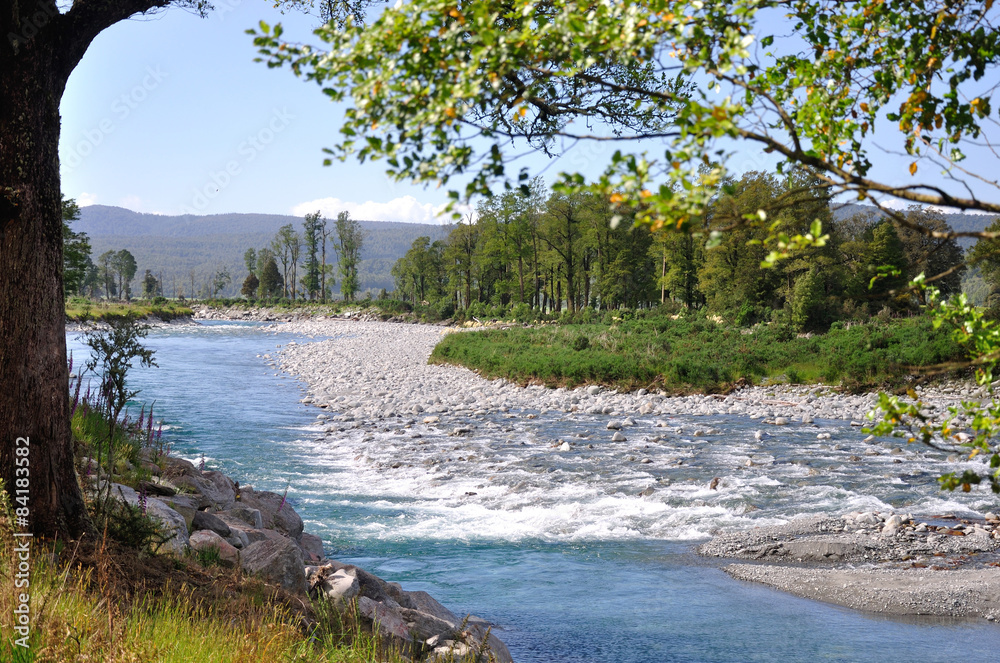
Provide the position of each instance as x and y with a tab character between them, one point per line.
277	560
206	539
204	520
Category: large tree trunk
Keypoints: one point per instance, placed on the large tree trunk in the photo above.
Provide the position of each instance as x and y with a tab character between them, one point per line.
34	392
39	50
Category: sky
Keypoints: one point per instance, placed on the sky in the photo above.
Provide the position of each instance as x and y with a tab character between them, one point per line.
169	114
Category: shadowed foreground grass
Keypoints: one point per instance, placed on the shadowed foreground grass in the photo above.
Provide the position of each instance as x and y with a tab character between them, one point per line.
99	602
698	355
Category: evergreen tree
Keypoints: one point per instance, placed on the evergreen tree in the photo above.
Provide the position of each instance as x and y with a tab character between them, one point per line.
271	285
77	265
150	285
250	285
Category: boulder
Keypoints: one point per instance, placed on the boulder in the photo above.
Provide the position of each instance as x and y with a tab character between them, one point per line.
276	560
174	466
207	539
247	515
276	512
186	505
238	538
172	524
386	618
312	547
215	488
204	520
424	602
158	488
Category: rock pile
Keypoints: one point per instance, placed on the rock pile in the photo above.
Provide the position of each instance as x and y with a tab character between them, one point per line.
207	512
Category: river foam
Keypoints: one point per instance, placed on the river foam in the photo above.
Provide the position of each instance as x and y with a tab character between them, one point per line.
477	459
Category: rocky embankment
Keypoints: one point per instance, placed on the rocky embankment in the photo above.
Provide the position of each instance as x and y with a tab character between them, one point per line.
877	562
207	512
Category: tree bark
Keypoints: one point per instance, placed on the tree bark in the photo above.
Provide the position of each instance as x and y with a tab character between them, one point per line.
39	47
34	398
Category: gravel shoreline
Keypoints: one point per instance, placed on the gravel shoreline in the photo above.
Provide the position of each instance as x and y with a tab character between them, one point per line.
875	562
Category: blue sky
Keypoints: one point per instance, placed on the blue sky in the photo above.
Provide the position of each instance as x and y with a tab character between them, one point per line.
170	114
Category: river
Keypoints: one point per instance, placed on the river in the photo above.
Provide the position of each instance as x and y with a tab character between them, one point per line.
583	557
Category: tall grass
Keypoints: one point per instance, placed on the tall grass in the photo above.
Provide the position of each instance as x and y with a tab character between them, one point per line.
698	355
81	309
99	603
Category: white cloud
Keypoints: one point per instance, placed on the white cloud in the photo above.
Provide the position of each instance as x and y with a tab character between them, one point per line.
406	210
85	199
133	203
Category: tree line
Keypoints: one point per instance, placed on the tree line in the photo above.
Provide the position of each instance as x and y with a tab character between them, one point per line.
547	252
306	252
110	276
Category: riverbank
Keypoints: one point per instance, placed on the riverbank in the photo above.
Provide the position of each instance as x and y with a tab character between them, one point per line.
894	564
371	374
212	517
352	376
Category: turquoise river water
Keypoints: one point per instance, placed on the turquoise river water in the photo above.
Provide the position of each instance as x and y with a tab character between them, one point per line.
560	551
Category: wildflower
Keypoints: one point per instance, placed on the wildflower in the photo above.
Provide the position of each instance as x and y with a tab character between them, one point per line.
76	396
142	500
283	497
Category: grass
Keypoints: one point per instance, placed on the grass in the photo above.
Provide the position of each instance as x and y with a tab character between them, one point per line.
80	309
109	598
101	602
697	355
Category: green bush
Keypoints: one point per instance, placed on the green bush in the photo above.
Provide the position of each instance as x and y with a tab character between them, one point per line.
694	354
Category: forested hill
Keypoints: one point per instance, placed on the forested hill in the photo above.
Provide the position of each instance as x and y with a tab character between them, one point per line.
958	221
176	246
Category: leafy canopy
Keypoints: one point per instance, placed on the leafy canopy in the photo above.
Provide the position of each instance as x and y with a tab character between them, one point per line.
444	90
440	89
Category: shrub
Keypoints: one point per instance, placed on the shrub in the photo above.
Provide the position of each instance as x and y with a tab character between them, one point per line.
581	342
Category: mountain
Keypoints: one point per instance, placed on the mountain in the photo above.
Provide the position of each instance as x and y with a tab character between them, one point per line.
958	221
176	247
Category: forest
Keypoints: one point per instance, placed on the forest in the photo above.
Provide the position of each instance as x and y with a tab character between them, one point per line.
536	252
